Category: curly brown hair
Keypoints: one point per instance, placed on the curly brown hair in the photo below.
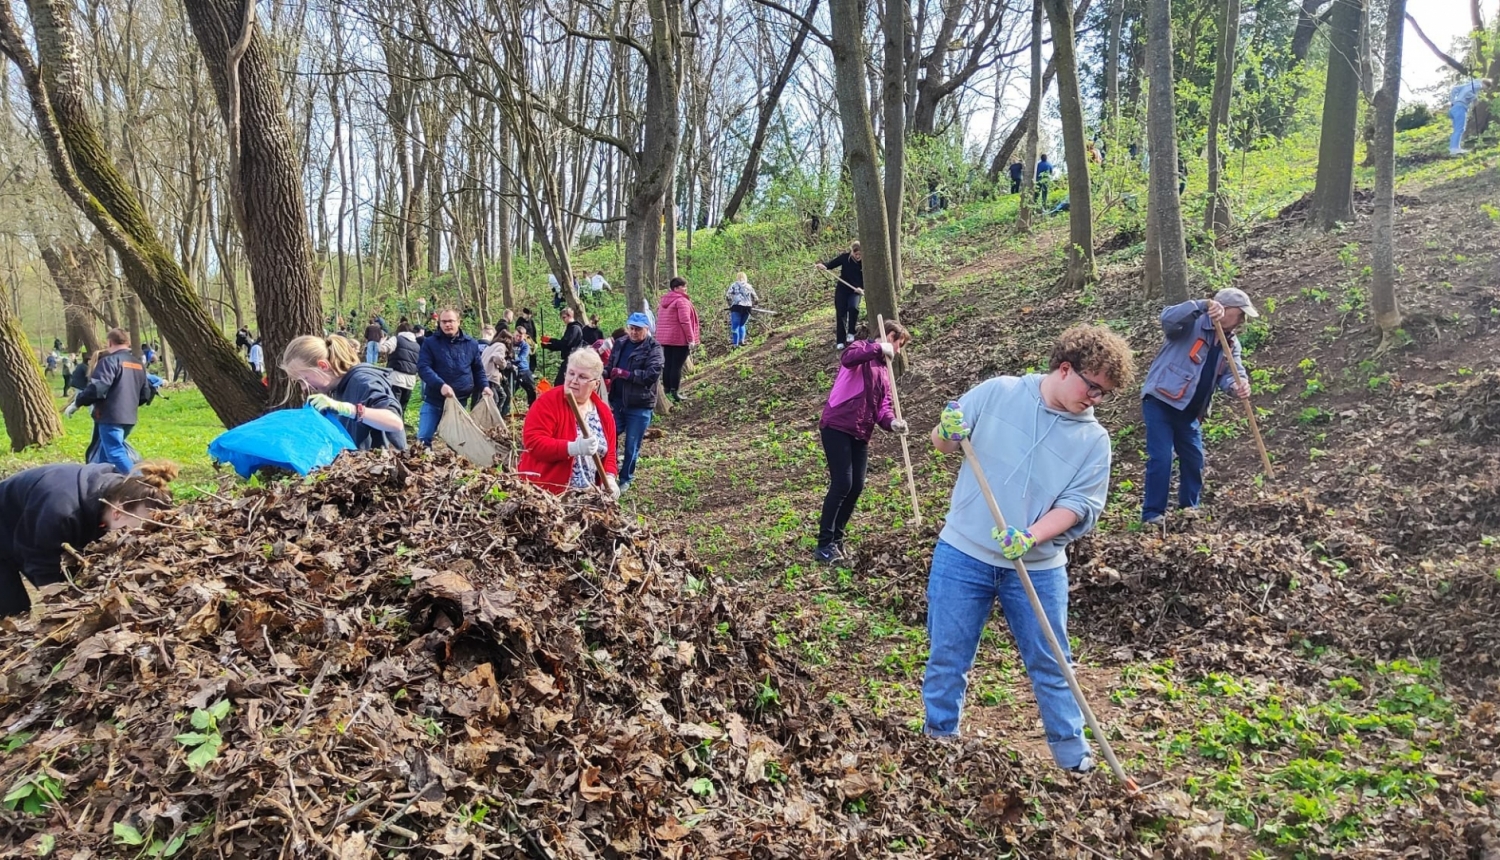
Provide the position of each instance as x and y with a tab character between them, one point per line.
1095	349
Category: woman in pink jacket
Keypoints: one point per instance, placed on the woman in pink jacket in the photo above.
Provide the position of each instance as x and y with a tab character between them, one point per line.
677	332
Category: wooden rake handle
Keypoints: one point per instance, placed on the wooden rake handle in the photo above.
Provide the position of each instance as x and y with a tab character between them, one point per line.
911	480
583	425
1265	459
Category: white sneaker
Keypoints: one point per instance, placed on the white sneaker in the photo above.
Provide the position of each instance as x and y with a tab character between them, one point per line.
839	347
1458	152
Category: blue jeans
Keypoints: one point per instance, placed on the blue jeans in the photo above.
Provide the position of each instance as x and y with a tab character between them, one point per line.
112	447
1168	430
633	423
961	591
737	321
1459	113
427	421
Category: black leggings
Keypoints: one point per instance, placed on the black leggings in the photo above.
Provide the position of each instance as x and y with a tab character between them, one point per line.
13	597
848	458
846	315
671	373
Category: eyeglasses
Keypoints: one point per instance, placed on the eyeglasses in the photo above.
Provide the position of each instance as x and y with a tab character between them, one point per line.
574	376
1096	391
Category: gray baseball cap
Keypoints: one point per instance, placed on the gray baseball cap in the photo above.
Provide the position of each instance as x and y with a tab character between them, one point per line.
1233	297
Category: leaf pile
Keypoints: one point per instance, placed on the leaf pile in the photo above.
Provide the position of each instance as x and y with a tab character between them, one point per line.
404	654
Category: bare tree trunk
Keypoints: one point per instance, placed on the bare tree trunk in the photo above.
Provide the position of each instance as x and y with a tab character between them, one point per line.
1081	269
503	219
1112	71
1165	209
651	188
82	167
25	402
1333	194
68	273
893	97
1383	246
1217	218
1025	206
265	176
746	186
859	154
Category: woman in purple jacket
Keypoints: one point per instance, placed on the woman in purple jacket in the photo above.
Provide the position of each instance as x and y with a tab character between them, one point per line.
861	399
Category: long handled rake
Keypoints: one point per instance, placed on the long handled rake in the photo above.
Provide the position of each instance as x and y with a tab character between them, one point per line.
1265	459
911	480
1046	625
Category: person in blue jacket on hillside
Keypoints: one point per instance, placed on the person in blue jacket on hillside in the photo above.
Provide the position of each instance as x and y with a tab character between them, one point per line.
1178	390
859	402
634	367
450	366
1462	100
1047	460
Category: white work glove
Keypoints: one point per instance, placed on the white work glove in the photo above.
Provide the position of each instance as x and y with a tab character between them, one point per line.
899	426
72	407
586	447
612	486
889	349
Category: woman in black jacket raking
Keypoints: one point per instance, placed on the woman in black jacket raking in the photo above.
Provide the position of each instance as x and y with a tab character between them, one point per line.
68	503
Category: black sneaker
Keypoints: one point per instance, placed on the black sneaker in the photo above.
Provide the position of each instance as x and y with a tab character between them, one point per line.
831	554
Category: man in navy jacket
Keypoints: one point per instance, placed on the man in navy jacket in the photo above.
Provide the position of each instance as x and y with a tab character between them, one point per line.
450	366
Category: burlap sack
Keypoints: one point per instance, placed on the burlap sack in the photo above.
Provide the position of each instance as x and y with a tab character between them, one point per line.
486	414
459	431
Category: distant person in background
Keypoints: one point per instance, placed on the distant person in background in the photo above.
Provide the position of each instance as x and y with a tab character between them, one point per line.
117	388
257	357
557	296
593	331
741	298
847	291
1016	167
496	358
355	394
79	377
1043	180
599	284
57	344
521	367
528	323
1182	173
1463	98
401	362
677	331
149	355
572	338
67	503
52	362
67	373
242	337
374	334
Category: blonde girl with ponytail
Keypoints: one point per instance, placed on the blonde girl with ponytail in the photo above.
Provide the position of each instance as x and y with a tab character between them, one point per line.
357	395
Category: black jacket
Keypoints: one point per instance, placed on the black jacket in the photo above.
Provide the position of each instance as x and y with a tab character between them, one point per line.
403	358
851	271
370	385
592	334
116	389
43	508
644	361
571	339
529	324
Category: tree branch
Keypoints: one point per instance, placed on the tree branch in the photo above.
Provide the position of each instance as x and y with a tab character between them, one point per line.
801	19
1462	69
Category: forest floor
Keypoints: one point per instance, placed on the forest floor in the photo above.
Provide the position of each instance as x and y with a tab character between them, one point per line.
1308	671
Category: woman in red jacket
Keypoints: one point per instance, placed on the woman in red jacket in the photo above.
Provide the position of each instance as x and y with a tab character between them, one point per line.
677	332
558	457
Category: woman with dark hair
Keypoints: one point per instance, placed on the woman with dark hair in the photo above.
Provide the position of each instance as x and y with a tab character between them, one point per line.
859	402
68	503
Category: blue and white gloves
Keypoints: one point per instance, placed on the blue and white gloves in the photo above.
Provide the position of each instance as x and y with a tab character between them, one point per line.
951	425
1014	542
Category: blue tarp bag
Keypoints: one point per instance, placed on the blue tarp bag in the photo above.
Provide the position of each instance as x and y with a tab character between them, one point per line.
297	440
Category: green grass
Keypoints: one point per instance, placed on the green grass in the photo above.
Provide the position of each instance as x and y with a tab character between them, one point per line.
177	426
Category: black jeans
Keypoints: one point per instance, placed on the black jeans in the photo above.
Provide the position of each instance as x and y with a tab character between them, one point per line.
845	314
671	372
403	395
13	597
847	460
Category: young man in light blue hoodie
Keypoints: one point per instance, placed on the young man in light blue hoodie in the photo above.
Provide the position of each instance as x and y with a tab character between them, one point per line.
1047	460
